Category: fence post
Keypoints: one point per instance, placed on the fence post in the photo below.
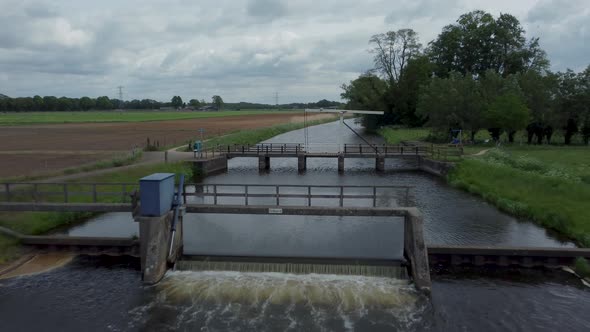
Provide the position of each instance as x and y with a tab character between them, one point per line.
124	193
184	193
35	193
341	196
308	195
7	191
374	196
277	195
246	192
214	194
94	195
65	192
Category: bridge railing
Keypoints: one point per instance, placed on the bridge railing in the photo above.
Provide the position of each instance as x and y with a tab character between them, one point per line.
297	195
262	148
67	192
441	152
251	149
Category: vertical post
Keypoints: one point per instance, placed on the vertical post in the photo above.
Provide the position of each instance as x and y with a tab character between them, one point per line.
246	192
35	193
340	128
124	194
308	195
374	196
165	156
65	192
361	149
215	194
341	163
184	193
94	195
277	195
341	196
7	191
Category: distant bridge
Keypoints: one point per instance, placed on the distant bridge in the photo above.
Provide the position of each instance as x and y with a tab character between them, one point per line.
265	151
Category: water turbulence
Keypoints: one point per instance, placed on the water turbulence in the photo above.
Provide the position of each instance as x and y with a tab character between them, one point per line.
278	301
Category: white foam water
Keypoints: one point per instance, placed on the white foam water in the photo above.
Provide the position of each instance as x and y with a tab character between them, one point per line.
278	301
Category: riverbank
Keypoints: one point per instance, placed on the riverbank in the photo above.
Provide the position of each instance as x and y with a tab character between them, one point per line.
254	136
549	185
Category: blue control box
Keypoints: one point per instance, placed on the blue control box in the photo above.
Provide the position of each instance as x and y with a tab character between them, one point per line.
156	193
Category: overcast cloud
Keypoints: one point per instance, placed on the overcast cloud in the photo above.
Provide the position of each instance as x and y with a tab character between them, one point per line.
241	50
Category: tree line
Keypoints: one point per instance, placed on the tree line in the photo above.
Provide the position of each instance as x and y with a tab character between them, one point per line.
65	104
480	73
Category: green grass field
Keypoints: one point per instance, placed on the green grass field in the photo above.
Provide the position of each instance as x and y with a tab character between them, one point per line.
28	118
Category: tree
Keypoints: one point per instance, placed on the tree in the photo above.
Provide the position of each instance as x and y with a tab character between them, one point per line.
508	113
478	43
195	103
217	102
86	103
403	95
366	93
393	51
453	103
104	103
539	92
50	103
176	102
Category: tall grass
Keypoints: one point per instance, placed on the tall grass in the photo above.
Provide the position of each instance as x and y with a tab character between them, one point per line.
529	190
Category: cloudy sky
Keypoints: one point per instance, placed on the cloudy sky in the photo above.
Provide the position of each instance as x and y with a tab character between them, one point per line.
242	50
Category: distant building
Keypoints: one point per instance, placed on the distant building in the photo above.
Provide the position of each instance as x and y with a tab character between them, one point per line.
208	108
167	108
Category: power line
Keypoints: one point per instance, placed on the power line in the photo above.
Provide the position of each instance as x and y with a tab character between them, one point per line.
120	88
277	98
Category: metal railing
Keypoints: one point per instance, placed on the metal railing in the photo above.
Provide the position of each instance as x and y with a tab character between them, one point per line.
442	152
214	194
250	149
275	195
66	192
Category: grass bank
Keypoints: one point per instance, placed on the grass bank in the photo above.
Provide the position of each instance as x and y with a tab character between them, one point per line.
254	136
35	223
29	118
548	184
529	188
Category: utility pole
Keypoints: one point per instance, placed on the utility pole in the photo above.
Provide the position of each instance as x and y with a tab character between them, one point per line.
120	88
277	99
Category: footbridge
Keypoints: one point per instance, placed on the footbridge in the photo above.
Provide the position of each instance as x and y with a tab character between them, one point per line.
159	206
216	157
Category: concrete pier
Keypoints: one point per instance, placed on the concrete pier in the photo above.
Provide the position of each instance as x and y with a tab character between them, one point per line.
154	245
380	164
415	250
263	163
301	163
341	164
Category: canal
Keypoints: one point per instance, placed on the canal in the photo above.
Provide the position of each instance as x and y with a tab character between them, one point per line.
106	293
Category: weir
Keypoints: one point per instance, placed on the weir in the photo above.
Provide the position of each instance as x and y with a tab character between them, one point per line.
160	245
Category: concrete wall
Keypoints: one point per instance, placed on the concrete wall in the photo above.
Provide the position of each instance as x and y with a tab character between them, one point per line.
210	166
434	167
415	250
